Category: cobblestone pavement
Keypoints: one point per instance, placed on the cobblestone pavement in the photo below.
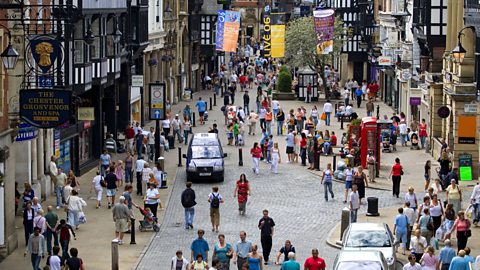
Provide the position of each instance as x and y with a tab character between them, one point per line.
294	198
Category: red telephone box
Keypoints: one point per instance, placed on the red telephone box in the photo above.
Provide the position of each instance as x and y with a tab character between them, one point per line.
369	140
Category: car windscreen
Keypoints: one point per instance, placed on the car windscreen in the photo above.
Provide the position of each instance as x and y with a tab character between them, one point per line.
357	239
205	152
369	265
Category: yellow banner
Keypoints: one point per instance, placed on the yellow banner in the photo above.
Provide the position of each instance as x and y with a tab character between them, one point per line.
278	40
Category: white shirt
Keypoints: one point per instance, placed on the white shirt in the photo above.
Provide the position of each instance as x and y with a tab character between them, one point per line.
139	165
275	104
346	93
146	174
418	245
410	213
184	264
327	107
36	207
96	182
241	113
151	138
166	123
348	110
476	194
175	124
402	128
412	198
354	200
55	262
409	266
53	168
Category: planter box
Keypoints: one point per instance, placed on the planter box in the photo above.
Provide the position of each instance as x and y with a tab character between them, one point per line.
283	96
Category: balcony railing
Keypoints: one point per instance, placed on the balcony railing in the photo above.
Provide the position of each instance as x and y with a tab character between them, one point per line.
102	4
472	6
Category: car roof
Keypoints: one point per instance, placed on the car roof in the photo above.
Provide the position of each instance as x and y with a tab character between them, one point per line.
205	139
367	226
205	135
359	255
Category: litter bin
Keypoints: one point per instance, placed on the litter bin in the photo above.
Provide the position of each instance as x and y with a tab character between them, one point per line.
372	209
171	141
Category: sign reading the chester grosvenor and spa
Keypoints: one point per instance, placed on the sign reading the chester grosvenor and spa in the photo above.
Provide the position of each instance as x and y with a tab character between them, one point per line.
45	108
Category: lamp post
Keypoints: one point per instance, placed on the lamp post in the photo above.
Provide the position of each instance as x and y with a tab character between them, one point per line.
9	55
459	52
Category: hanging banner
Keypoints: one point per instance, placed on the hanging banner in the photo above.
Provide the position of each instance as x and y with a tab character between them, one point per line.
324	20
45	108
266	34
228	25
220	27
277	21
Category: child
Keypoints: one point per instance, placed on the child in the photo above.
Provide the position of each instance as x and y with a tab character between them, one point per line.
230	134
119	172
63	230
236	132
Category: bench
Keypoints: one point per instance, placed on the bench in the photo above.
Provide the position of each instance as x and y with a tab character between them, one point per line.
346	118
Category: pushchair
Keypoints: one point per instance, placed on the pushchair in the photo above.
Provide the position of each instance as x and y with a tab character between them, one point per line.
386	142
414	140
148	222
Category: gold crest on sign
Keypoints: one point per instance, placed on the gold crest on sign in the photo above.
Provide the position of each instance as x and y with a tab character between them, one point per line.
44	49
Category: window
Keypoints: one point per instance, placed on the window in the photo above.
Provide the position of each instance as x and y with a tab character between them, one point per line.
78	51
95	47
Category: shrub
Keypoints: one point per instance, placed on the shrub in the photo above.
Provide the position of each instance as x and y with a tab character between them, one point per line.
284	81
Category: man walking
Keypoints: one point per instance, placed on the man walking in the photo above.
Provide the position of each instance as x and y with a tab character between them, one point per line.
327	109
370	107
121	217
139	165
51	219
266	226
475	201
188	202
215	199
201	106
60	180
400	229
246	101
129	135
291	264
446	256
314	262
354	204
242	248
151	144
36	248
199	246
176	128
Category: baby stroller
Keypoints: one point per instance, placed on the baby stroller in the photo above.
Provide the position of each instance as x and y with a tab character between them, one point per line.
241	142
414	140
148	222
386	142
205	116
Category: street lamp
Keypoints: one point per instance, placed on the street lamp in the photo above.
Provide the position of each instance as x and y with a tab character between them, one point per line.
9	55
117	34
89	37
459	52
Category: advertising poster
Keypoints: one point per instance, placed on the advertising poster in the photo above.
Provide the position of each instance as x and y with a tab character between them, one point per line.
219	33
277	35
266	35
231	28
324	20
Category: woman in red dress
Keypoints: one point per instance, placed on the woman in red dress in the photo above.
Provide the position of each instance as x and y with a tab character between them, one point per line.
422	133
242	190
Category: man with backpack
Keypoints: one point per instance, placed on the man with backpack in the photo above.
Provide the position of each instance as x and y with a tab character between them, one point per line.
215	199
188	202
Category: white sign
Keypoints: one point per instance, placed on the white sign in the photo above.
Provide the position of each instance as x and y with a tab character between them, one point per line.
406	75
470	108
137	80
384	60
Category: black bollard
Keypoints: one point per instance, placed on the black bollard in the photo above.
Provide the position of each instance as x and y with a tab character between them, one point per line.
179	156
378	111
336	106
132	232
214	100
334	162
341	122
210	103
193	118
206	105
240	156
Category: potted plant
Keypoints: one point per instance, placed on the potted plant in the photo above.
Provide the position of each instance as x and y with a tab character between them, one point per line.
152	62
284	86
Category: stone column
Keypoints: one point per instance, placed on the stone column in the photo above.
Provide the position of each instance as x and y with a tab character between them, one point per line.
44	182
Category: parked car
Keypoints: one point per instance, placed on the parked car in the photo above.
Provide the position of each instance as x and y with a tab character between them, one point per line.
360	260
371	236
205	158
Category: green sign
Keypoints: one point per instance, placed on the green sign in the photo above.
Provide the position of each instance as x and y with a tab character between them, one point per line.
465	168
465	173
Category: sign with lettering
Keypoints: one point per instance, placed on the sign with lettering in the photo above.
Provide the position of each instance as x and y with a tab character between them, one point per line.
26	132
157	101
45	108
86	113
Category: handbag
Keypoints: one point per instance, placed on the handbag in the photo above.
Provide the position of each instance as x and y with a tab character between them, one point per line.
82	218
430	225
323	116
468	233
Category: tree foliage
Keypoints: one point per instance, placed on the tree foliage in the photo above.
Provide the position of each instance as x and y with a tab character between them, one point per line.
284	80
300	43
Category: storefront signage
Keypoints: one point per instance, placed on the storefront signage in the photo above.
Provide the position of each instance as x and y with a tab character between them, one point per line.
86	113
406	75
465	166
137	80
415	101
470	108
157	104
384	60
45	108
467	129
26	132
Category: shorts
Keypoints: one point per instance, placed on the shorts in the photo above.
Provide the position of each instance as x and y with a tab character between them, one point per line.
121	225
201	114
289	149
215	216
111	192
348	184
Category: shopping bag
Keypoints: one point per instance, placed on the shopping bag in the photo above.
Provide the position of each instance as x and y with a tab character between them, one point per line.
324	116
439	233
82	218
434	242
469	211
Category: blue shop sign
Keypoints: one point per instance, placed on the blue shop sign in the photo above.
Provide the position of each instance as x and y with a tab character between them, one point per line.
26	132
45	108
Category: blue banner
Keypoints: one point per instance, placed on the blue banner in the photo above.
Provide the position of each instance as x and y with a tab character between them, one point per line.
220	30
26	132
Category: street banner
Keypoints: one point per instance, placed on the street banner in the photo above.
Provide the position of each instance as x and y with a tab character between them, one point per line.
277	35
324	20
228	26
220	27
266	35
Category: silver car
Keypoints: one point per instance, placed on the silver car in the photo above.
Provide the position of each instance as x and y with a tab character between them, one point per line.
360	260
371	236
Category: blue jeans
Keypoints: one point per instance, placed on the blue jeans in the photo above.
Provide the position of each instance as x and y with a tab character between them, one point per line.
246	109
326	148
258	106
48	237
423	141
327	121
353	215
64	244
315	120
59	194
268	125
36	261
401	235
369	113
279	127
103	169
128	175
189	215
185	136
476	212
328	185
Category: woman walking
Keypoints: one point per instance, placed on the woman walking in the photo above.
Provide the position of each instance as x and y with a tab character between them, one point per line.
422	133
97	183
436	212
242	190
454	196
427	175
280	120
222	252
129	168
119	172
303	149
396	174
255	259
449	220
75	206
28	216
360	179
152	199
275	156
462	225
348	180
429	261
327	180
187	129
256	152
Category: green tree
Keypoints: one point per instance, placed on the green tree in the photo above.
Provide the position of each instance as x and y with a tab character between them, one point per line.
301	42
284	81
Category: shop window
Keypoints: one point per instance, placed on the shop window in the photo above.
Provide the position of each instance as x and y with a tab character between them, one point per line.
85	145
64	160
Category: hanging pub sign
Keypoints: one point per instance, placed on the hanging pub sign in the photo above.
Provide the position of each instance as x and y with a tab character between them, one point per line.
45	108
